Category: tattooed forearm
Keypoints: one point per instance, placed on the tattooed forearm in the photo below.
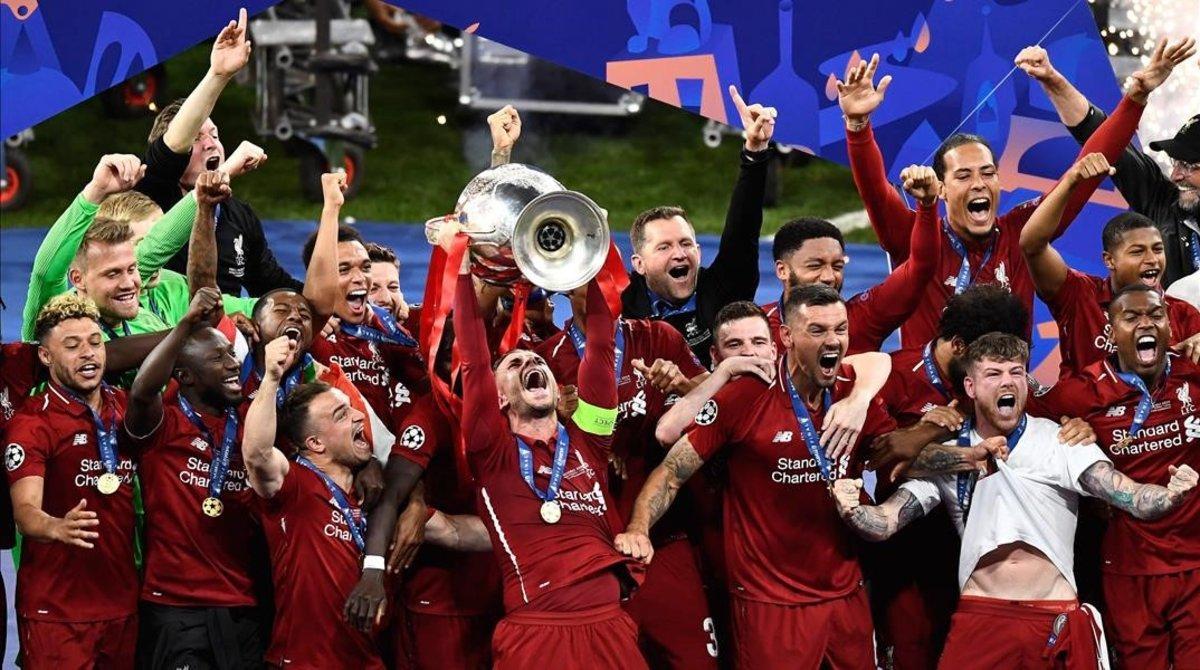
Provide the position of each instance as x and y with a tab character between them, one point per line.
1143	501
877	523
940	459
663	484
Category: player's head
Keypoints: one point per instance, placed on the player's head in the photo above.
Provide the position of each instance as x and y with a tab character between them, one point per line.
979	310
742	329
809	251
354	272
69	342
284	312
970	183
1140	329
995	367
139	211
105	269
1133	250
816	332
1184	151
208	368
665	252
321	424
525	384
207	151
385	280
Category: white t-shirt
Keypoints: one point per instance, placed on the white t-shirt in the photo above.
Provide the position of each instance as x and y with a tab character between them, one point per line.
1187	288
1031	498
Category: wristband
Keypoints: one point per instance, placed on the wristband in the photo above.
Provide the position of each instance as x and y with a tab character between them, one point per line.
374	563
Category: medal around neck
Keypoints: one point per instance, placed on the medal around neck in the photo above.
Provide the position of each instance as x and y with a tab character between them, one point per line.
212	507
551	511
108	483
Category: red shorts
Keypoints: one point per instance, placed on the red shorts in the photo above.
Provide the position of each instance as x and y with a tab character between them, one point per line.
99	645
1155	620
449	641
838	632
995	633
604	638
671	611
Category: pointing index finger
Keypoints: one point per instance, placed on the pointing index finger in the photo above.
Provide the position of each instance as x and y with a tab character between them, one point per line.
737	100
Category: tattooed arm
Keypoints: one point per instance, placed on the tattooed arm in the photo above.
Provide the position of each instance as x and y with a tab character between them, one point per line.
942	459
1143	501
657	494
875	523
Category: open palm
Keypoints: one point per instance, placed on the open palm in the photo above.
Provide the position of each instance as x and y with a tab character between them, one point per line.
231	51
1161	64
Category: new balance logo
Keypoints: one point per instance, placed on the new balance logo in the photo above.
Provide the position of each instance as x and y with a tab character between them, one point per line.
1191	427
1119	410
80	438
199	444
782	436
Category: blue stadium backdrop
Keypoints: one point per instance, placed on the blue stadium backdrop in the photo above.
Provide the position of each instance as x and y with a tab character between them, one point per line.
951	61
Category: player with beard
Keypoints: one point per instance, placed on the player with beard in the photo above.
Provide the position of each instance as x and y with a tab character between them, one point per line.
1140	400
1133	253
70	478
794	578
198	594
184	142
811	251
370	345
1171	201
543	493
668	283
976	245
1017	519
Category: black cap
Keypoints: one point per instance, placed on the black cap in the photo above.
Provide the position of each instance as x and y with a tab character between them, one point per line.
1185	146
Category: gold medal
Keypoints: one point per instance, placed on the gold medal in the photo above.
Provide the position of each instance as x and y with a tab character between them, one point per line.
213	507
108	483
551	511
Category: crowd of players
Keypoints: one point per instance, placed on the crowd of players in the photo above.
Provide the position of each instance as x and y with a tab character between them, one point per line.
205	480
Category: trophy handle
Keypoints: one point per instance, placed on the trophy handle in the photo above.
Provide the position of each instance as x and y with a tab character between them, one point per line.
433	227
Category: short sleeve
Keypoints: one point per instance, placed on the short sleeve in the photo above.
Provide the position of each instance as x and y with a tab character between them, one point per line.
927	493
418	438
1075	461
1073	395
288	491
27	447
716	424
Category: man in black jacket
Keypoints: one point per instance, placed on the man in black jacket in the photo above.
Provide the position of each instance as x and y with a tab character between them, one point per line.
1172	202
184	142
668	282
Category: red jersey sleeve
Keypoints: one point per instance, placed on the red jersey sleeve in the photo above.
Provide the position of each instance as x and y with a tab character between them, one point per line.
719	421
28	441
421	435
482	422
672	347
597	385
1074	395
889	215
1186	320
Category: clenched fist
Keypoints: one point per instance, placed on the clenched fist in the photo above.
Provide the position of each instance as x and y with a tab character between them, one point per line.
1089	167
1183	480
922	183
1035	62
333	188
115	173
847	495
212	188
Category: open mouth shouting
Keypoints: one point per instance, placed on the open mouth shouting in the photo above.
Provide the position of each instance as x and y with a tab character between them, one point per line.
212	162
89	371
1146	348
979	210
357	301
828	361
1006	405
1150	277
360	437
536	383
293	333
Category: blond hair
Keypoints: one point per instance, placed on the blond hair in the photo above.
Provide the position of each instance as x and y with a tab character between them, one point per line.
128	207
63	307
102	231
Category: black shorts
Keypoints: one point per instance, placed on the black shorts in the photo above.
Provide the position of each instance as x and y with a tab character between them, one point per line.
200	638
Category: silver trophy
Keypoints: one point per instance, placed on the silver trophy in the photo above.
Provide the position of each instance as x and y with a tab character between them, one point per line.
524	224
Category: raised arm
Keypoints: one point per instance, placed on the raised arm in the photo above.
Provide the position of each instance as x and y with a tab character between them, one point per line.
875	523
1144	501
266	466
212	188
738	249
144	411
481	402
1071	105
597	410
127	353
505	126
115	173
230	52
656	496
676	420
888	213
321	278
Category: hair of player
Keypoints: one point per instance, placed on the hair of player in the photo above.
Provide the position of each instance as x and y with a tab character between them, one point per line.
983	309
996	347
811	295
1136	287
261	303
128	206
63	307
293	417
381	254
637	231
793	234
1120	224
345	233
163	119
105	232
953	142
737	310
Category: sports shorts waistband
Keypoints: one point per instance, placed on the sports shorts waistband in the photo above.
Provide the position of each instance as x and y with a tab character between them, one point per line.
1021	609
580	618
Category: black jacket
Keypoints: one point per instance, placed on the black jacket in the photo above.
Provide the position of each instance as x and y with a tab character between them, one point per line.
733	274
243	257
1149	192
